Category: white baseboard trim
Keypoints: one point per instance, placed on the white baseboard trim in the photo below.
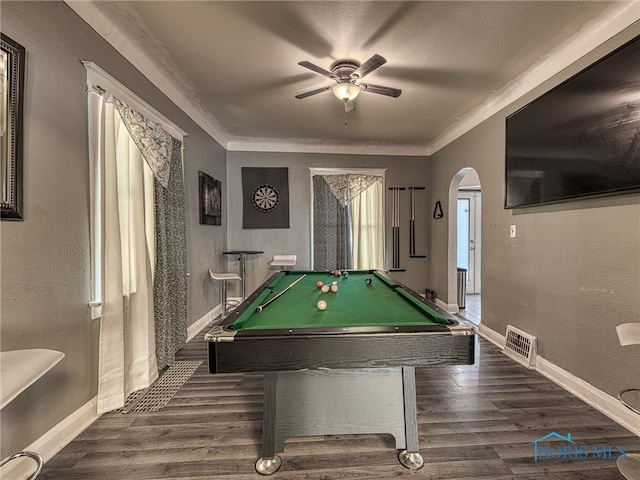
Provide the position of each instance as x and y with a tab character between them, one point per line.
494	337
601	401
208	319
53	441
589	394
449	307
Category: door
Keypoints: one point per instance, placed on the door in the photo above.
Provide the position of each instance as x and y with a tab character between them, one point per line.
468	242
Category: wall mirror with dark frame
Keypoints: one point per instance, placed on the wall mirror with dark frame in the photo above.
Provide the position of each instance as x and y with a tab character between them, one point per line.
11	101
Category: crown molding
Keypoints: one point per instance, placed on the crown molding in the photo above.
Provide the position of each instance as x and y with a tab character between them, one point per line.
614	20
320	146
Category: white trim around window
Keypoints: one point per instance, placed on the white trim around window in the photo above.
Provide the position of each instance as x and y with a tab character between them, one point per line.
97	77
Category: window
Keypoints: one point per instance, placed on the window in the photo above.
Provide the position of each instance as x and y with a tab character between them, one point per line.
348	218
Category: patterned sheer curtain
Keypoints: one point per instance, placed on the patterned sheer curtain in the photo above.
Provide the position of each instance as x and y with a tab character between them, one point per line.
347	220
331	229
143	269
170	281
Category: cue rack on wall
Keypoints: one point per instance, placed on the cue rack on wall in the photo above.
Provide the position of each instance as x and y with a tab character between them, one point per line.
395	224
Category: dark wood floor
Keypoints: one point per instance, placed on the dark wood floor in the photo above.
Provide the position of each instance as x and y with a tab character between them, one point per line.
476	422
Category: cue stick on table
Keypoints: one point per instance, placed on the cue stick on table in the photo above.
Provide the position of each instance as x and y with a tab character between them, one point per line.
261	307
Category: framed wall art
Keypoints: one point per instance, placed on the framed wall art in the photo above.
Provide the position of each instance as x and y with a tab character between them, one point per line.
210	200
11	104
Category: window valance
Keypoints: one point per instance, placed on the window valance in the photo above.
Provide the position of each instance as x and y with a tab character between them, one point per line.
153	133
149	136
346	187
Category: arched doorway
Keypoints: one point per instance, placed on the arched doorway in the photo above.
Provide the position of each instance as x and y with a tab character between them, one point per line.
465	246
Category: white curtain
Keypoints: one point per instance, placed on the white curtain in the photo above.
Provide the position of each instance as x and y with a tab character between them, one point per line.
127	355
368	234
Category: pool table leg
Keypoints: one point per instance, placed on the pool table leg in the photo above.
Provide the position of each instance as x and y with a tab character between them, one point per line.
411	457
269	462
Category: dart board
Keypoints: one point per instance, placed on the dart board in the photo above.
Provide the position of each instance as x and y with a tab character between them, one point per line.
265	198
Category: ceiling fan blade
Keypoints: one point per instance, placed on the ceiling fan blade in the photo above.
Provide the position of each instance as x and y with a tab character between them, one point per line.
369	66
314	92
317	69
388	91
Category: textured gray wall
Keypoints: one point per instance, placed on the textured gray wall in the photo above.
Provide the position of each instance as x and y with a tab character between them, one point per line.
573	272
45	282
205	243
297	239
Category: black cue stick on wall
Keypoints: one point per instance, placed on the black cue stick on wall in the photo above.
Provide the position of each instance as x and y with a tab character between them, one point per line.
395	228
412	222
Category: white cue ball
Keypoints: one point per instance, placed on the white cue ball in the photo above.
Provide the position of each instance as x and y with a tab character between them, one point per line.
321	305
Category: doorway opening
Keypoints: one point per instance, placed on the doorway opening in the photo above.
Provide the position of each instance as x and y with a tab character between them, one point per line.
465	242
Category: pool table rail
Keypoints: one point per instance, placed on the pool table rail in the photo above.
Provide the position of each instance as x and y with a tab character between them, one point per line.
300	352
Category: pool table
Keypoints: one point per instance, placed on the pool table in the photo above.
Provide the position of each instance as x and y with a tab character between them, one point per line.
347	369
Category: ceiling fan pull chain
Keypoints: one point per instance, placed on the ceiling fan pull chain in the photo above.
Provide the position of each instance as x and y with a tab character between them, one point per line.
345	111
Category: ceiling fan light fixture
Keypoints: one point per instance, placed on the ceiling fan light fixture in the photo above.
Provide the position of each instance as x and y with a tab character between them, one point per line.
346	91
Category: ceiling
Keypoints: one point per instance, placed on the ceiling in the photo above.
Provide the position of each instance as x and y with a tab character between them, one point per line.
233	65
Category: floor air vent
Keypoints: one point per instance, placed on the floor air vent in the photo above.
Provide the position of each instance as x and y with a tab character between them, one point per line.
521	346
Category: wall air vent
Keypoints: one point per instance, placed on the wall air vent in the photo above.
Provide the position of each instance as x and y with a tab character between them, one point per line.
521	346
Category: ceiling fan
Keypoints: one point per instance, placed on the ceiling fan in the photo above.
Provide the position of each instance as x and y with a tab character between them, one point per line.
347	75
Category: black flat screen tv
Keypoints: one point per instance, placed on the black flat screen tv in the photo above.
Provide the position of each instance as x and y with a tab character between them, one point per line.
581	138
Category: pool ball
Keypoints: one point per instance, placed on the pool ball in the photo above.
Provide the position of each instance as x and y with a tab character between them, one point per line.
345	274
321	305
325	288
337	273
368	281
319	284
334	288
334	283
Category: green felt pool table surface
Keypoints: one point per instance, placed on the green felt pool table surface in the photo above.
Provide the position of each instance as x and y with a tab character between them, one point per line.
356	304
